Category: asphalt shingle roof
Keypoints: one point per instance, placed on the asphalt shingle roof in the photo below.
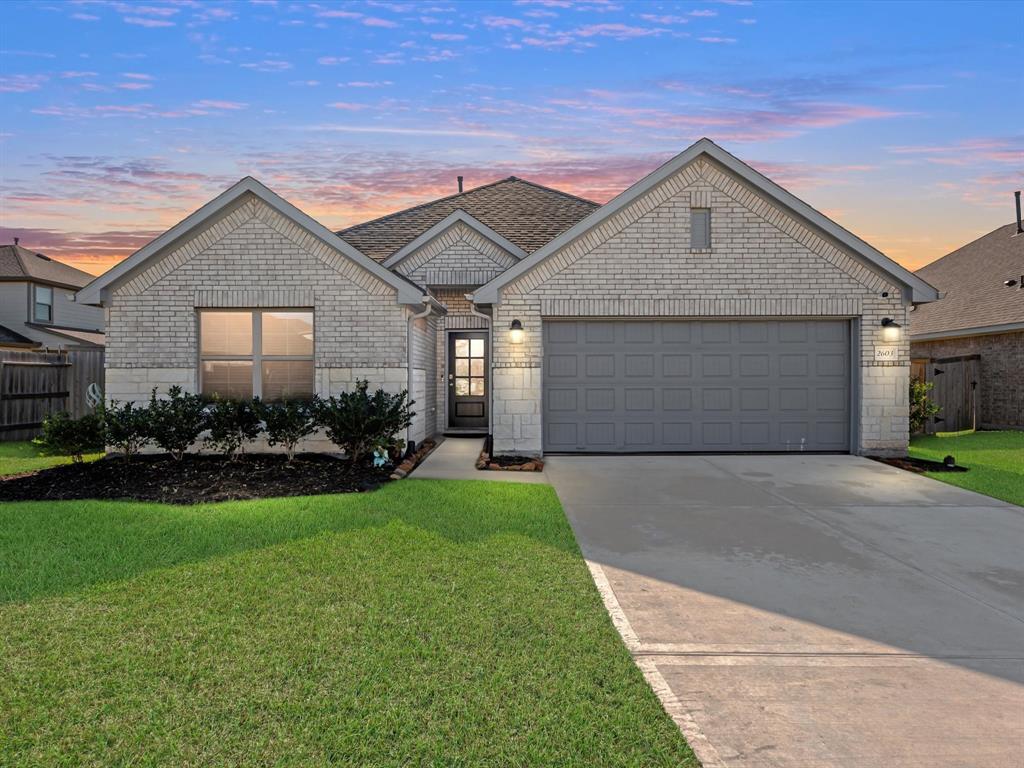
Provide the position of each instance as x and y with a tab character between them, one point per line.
9	336
17	263
972	279
528	214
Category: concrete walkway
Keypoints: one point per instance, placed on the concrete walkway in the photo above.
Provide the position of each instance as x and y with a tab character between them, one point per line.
455	459
811	611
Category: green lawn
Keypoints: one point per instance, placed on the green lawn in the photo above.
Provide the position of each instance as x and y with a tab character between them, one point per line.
427	623
995	461
26	456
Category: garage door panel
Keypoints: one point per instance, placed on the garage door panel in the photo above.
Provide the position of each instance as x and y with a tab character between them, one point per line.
672	385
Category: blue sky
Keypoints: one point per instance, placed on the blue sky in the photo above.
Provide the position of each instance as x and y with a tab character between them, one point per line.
904	121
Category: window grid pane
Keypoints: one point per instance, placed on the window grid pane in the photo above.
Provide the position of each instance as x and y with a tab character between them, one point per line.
228	379
287	379
226	333
287	333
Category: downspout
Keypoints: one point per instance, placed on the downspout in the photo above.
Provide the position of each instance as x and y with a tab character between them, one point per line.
427	309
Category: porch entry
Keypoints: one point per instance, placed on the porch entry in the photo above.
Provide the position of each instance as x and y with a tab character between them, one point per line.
468	380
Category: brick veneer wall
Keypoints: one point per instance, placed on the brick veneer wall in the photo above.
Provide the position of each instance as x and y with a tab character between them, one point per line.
253	257
1001	399
638	263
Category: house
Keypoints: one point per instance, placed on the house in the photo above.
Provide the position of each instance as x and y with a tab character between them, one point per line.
978	316
703	309
37	303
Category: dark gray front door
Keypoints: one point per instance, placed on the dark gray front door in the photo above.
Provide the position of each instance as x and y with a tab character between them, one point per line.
623	386
468	380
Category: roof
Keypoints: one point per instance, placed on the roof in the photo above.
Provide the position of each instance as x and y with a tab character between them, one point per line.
92	338
972	279
9	337
527	214
917	288
95	292
17	263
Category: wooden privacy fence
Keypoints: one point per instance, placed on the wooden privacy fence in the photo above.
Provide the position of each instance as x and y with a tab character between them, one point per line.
36	384
957	382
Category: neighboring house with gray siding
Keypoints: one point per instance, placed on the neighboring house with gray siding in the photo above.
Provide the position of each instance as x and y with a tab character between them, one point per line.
981	316
37	301
703	309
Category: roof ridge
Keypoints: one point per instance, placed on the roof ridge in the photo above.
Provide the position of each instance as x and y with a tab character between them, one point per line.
425	204
561	192
957	250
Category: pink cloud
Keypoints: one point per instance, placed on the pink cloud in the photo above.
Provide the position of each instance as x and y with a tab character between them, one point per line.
330	61
704	13
446	36
666	19
151	23
21	83
134	86
348	106
718	40
617	31
503	22
373	21
219	104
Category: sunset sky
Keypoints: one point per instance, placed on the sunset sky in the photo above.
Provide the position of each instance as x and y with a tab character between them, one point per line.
903	122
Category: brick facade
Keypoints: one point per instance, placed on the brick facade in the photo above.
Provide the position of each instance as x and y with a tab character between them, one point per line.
638	263
1001	400
251	256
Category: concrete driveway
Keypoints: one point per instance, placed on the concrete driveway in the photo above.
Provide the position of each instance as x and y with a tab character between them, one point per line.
812	610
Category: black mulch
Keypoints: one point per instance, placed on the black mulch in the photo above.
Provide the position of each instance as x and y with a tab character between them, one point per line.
918	465
194	479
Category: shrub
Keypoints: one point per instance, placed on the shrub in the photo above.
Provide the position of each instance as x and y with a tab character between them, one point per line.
176	422
360	423
72	437
288	422
232	424
922	407
127	427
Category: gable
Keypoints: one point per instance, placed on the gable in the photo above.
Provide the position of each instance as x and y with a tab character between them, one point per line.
245	201
459	250
701	169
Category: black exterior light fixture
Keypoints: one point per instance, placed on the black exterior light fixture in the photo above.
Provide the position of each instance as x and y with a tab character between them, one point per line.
890	329
516	334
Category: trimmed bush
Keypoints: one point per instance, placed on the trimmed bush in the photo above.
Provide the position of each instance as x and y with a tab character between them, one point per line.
360	423
289	422
177	421
922	407
232	424
72	437
127	427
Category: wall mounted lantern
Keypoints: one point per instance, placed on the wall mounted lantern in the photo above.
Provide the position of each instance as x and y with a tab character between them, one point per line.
516	334
890	329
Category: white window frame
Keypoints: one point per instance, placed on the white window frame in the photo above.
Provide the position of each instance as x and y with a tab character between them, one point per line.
257	358
36	303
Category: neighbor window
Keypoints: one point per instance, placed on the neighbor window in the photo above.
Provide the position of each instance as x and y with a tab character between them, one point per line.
700	228
42	311
263	353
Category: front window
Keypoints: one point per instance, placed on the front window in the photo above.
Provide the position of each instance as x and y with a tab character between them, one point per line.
43	309
262	353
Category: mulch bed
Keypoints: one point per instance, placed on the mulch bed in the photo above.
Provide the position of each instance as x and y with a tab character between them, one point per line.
919	466
195	479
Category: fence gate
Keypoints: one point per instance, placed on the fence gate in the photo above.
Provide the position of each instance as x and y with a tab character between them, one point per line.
956	381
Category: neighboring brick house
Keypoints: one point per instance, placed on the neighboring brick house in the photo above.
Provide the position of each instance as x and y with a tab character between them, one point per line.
703	309
979	315
37	303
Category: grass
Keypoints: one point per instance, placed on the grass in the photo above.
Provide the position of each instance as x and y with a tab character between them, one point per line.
995	461
26	456
427	623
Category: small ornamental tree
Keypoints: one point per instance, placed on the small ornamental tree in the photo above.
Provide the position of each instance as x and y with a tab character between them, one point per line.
289	422
922	407
232	424
176	421
360	423
72	437
127	428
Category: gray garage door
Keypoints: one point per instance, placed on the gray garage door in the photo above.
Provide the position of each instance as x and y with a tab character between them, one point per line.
700	385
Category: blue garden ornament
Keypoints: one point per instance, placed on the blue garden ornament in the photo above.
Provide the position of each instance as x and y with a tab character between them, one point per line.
380	458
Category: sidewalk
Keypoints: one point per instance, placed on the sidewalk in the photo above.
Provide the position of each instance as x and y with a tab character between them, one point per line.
455	459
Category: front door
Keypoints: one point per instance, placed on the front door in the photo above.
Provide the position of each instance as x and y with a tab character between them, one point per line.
468	380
